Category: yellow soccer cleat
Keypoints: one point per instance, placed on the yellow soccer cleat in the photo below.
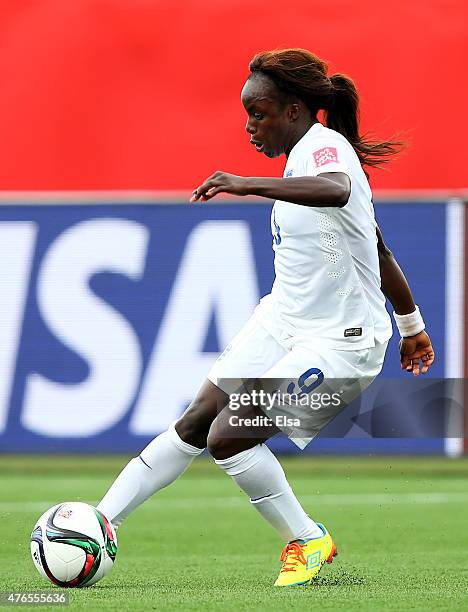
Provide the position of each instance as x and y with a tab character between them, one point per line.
302	560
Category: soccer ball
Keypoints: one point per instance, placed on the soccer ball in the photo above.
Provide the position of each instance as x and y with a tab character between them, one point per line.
73	545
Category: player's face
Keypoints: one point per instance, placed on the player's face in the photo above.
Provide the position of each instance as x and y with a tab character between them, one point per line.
268	123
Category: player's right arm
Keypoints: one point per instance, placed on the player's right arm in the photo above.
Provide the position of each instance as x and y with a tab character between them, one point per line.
396	289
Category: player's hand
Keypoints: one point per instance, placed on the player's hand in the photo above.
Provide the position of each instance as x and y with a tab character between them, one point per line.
414	349
217	183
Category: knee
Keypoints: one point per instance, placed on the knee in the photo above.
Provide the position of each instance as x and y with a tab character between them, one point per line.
190	432
220	448
193	426
195	423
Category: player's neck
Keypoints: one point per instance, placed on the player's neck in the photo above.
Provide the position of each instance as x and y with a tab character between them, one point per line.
301	130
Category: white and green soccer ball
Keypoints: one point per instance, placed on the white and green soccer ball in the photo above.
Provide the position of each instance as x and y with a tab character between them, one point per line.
73	545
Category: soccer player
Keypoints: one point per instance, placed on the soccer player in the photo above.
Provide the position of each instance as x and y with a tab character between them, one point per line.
326	310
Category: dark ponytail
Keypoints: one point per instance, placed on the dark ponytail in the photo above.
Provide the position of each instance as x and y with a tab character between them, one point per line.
342	115
301	74
342	109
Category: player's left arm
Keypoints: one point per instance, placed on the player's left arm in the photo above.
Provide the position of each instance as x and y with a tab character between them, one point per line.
395	287
326	189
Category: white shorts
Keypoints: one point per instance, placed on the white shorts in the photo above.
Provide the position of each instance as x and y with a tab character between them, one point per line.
254	353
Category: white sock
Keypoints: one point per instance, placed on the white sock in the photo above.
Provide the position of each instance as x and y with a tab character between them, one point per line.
259	474
159	464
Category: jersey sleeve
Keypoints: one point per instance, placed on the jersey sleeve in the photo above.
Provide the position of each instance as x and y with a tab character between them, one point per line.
330	155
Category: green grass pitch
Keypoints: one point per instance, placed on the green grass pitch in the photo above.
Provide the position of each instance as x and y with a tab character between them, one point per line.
400	524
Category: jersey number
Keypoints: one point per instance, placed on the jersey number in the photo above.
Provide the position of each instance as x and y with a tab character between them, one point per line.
277	234
303	388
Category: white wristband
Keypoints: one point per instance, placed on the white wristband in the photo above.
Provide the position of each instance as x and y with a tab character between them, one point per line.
409	324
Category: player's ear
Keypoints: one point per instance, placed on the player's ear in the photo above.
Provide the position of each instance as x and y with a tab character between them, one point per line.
293	112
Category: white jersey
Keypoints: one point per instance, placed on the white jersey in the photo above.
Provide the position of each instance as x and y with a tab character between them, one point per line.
327	284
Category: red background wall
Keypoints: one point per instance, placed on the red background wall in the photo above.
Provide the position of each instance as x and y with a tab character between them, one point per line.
110	94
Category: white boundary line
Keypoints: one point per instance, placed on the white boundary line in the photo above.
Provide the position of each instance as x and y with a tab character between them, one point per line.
454	319
333	499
